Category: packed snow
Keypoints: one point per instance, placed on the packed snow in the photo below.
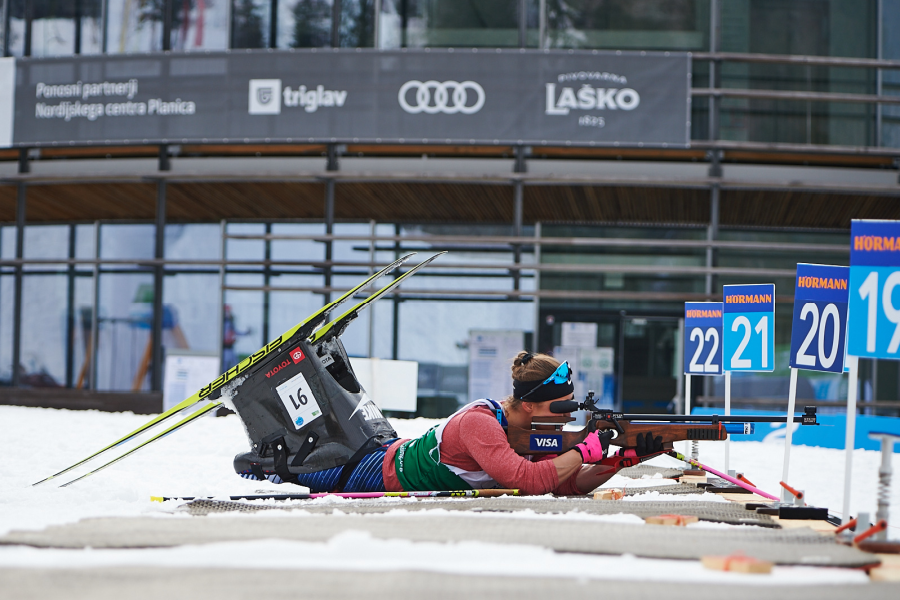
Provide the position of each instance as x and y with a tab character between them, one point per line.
358	551
196	461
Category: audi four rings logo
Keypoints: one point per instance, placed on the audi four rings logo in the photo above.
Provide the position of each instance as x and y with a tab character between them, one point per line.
448	97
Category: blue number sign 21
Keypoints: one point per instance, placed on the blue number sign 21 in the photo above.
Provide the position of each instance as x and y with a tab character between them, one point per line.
749	336
820	318
703	338
874	307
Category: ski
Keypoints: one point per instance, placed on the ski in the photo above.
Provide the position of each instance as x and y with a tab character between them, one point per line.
353	495
305	328
336	327
733	480
190	418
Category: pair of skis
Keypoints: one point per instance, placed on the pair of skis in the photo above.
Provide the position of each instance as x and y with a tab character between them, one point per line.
312	327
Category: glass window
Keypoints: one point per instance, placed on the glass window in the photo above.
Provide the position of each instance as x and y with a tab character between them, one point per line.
125	319
53	27
127	241
243	312
807	27
625	24
431	23
43	350
357	23
192	322
16	28
304	23
199	24
134	26
44	242
81	334
90	38
193	242
250	23
7	287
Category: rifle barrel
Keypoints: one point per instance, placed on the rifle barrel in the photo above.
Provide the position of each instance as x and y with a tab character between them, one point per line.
702	418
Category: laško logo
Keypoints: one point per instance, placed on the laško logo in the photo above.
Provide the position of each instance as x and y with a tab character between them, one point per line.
278	367
297	355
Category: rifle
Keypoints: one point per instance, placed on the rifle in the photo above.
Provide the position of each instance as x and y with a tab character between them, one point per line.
546	435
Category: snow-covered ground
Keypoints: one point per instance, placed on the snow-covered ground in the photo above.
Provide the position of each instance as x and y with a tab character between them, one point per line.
197	462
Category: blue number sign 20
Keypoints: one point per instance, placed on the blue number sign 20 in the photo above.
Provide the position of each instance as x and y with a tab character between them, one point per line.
820	318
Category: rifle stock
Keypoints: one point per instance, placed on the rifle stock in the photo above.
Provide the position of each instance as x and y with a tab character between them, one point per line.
537	442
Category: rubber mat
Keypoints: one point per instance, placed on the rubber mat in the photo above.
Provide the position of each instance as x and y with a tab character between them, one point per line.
639	471
678	489
718	512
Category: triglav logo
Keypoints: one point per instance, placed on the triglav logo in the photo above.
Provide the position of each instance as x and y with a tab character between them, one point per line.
265	97
448	97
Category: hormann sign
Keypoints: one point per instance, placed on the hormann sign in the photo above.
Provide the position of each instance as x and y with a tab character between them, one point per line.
438	96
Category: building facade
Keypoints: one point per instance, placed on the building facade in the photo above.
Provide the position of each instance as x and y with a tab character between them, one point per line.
121	248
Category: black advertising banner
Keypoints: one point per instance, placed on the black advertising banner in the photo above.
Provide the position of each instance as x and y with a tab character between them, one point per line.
423	96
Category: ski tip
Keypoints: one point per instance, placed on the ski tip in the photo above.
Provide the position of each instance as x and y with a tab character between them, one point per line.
46	479
157	499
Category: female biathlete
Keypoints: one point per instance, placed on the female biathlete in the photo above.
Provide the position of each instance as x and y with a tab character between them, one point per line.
470	449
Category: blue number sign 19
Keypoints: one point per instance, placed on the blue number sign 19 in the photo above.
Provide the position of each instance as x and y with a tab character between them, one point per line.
703	338
874	307
749	336
820	318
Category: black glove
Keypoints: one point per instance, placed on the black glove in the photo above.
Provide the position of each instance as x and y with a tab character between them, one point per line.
647	444
605	437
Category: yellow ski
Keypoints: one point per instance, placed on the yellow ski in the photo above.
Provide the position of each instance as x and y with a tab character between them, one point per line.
192	417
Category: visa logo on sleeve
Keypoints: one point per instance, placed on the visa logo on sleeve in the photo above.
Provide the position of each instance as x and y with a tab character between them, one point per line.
542	442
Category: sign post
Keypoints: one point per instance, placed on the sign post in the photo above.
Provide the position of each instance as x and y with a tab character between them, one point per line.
873	313
818	338
749	337
702	349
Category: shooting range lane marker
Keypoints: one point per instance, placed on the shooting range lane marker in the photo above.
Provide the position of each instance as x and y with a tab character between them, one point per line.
687	407
703	351
820	299
748	336
727	414
873	321
789	431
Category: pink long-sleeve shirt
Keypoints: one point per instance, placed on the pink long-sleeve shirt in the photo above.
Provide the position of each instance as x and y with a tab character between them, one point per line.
475	441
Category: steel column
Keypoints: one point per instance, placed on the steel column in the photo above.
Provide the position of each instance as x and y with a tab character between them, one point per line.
21	197
336	24
158	279
167	25
523	23
70	312
715	169
273	25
